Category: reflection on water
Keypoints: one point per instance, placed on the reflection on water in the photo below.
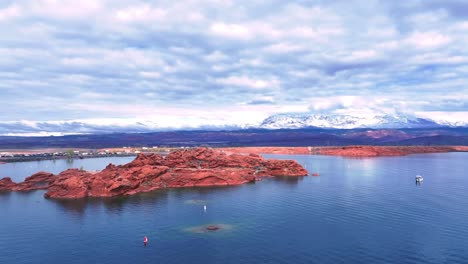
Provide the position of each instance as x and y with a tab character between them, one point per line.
288	180
196	202
113	205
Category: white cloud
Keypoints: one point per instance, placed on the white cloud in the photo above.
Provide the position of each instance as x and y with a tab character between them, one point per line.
245	81
428	39
63	9
10	12
453	117
281	48
335	56
234	31
216	56
141	13
150	74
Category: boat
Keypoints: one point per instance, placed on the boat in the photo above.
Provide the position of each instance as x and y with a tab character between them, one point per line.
419	178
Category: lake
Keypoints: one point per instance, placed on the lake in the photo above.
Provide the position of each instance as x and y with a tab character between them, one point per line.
357	211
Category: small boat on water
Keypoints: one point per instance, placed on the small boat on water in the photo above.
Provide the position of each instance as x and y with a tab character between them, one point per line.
419	178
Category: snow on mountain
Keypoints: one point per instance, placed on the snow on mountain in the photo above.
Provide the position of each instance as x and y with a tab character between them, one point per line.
452	123
97	126
338	121
278	121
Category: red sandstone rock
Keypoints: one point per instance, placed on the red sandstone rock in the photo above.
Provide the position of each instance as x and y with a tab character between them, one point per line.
183	168
374	151
37	181
349	151
6	184
268	150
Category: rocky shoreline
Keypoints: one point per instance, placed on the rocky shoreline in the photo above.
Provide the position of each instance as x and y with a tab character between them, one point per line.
350	151
183	168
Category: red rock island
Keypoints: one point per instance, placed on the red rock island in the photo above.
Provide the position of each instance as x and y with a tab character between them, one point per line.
148	172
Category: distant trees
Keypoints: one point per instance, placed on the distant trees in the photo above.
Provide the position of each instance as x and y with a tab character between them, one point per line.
70	153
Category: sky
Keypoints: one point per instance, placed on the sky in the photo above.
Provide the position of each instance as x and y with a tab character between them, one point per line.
219	62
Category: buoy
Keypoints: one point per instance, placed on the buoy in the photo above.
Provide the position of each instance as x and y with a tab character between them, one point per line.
315	174
145	241
204	207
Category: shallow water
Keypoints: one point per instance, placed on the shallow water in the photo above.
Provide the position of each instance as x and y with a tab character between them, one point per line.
357	211
20	170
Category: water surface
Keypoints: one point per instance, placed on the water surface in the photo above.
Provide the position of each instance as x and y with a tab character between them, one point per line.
357	211
20	170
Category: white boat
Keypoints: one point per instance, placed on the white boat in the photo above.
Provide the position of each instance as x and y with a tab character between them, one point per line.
419	178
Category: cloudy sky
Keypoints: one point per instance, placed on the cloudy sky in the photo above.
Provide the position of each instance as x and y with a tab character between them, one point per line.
215	62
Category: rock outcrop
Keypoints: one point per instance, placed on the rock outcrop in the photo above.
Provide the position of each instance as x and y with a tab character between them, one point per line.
37	181
375	151
183	168
349	151
6	184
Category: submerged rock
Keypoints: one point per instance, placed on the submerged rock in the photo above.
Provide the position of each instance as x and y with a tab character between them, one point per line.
211	228
184	168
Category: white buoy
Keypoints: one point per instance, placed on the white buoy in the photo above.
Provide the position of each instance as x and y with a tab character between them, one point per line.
204	208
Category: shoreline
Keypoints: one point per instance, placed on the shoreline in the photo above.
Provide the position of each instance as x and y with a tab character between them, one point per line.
42	158
343	151
349	151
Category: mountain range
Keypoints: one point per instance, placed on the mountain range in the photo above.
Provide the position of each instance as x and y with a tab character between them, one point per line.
248	137
336	121
277	121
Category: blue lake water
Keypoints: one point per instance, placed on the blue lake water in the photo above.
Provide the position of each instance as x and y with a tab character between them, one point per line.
357	211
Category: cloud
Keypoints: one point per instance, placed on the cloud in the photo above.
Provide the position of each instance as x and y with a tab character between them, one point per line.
141	13
234	31
245	81
9	12
427	39
75	60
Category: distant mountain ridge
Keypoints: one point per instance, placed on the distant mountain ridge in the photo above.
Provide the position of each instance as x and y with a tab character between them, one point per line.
249	137
336	121
277	121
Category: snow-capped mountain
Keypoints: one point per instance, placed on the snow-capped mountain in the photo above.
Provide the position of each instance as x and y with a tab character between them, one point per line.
452	123
278	121
104	126
338	121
